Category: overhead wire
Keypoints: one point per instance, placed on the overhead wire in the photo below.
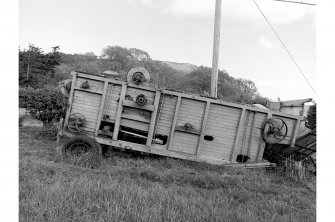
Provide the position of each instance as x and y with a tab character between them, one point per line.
301	2
288	52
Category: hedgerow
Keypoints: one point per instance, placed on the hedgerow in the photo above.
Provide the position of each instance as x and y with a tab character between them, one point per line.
46	104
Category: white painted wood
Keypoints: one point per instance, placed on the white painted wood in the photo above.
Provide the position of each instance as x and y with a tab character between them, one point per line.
153	118
203	128
174	123
119	112
68	111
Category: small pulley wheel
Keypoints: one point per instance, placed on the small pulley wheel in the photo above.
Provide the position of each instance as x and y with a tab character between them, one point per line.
141	100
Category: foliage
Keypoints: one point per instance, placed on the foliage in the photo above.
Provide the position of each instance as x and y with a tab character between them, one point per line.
229	88
46	104
311	118
122	59
36	68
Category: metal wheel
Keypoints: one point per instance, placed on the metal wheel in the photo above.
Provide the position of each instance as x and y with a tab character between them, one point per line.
274	130
76	122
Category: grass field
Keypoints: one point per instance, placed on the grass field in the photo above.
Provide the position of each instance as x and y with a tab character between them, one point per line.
130	188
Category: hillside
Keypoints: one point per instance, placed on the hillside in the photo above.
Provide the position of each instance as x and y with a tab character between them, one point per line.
181	67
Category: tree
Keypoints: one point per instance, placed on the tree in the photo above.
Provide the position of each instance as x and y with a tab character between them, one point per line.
35	67
118	58
311	118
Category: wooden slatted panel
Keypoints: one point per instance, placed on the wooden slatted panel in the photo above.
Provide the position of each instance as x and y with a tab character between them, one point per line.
135	124
87	104
243	139
222	125
94	84
185	142
257	140
191	111
134	92
112	98
165	114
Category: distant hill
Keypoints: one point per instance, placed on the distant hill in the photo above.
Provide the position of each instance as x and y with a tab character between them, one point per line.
181	67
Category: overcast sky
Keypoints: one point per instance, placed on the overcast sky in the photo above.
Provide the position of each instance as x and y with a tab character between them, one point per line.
182	31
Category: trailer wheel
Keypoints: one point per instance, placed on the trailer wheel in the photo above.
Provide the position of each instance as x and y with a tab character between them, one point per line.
81	144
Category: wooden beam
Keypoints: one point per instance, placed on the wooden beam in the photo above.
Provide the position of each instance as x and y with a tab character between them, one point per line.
251	133
89	90
234	151
119	112
245	132
295	132
216	49
70	99
101	108
153	118
262	142
134	105
174	122
203	127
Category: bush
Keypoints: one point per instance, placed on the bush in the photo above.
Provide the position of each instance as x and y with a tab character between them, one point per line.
46	104
311	118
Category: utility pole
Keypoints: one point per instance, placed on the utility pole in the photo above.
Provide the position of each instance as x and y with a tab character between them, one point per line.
216	48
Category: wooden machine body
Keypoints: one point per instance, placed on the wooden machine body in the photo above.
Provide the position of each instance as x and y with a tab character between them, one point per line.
219	131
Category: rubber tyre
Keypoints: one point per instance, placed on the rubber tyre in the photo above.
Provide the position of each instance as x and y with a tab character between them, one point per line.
92	144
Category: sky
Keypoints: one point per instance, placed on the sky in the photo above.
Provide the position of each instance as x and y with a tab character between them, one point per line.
182	31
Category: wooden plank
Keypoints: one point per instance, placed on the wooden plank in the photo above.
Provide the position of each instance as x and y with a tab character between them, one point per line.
185	142
244	137
135	117
183	130
262	143
88	90
70	100
135	124
119	112
153	118
134	105
203	127
295	133
174	122
251	133
234	151
84	108
101	109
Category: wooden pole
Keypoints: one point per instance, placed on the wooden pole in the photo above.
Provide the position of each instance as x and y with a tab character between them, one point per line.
216	46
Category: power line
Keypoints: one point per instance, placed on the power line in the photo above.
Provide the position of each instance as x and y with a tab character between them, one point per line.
288	52
301	2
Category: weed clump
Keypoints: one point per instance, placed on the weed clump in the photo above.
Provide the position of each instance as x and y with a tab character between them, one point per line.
48	132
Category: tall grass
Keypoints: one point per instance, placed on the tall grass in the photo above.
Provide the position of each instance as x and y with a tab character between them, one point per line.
136	188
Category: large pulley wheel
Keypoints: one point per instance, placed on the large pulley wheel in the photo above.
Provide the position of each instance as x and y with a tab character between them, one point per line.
138	75
79	145
76	122
274	130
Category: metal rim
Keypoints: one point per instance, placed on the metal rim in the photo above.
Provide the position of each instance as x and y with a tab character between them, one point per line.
277	131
